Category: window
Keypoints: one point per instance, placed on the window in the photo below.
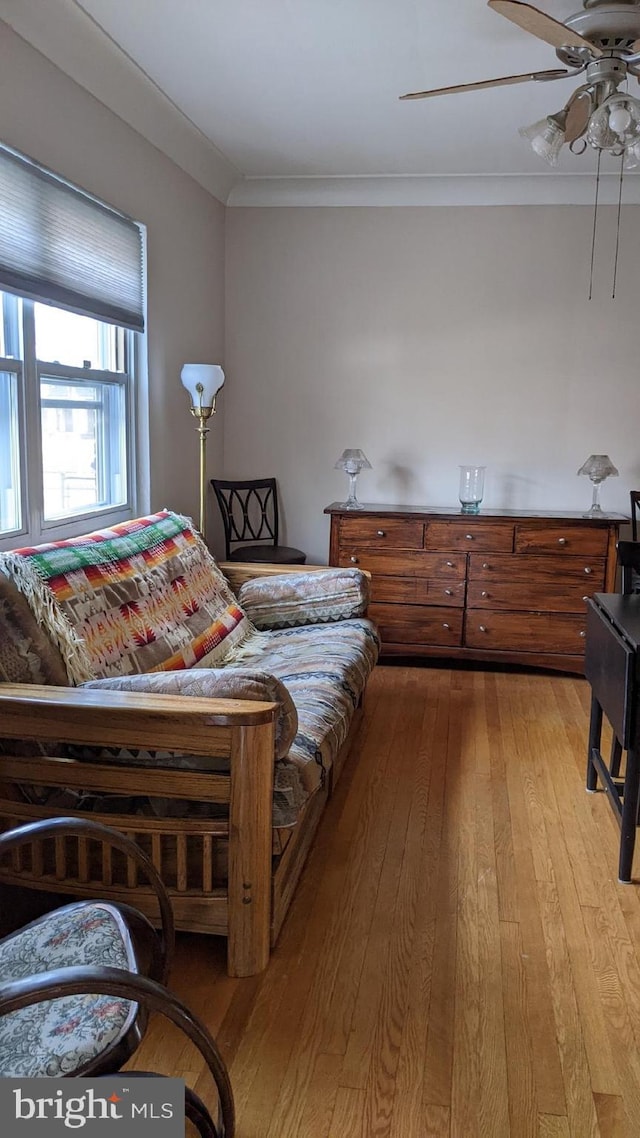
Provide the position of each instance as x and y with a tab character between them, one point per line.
66	402
71	270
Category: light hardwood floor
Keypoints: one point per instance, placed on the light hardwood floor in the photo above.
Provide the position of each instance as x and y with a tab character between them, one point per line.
459	961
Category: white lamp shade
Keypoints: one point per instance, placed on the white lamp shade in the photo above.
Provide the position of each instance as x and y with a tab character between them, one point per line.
203	382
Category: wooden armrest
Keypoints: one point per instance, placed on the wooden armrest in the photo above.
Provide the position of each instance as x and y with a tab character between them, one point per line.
127	719
237	572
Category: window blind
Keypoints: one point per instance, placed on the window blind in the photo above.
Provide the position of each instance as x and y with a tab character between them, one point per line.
62	246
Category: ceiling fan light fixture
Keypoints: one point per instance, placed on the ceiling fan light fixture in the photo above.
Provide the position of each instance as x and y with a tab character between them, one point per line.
547	136
615	125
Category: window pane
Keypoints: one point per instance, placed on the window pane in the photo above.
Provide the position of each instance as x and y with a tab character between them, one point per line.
83	446
10	326
77	341
10	511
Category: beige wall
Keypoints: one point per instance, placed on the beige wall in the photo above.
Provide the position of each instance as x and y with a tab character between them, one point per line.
429	337
48	116
426	336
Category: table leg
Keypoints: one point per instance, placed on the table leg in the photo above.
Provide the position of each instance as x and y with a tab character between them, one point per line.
629	815
595	735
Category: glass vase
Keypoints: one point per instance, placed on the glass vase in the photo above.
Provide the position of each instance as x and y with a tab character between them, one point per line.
471	488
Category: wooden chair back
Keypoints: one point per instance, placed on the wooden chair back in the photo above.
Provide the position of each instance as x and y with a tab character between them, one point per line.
249	511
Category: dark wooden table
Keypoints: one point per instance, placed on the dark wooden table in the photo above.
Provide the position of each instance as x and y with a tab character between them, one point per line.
612	667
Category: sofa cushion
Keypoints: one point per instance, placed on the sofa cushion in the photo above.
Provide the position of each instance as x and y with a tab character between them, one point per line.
289	794
27	655
287	600
325	668
217	683
144	596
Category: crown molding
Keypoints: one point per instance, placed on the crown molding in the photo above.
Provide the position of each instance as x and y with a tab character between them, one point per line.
435	190
69	38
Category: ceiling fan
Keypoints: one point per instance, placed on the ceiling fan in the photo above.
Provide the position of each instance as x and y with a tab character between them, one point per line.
603	43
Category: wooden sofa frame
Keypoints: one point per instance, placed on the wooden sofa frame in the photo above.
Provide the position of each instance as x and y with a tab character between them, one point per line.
250	907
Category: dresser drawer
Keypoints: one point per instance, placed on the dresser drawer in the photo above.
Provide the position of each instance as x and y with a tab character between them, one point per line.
558	538
563	596
525	632
417	624
469	534
409	563
417	591
381	533
537	571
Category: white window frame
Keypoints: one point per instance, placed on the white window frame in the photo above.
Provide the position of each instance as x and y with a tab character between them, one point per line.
35	529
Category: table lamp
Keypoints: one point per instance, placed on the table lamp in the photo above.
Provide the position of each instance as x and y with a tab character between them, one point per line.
597	468
352	461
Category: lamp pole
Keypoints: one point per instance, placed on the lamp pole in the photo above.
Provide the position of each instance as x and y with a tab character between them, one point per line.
203	414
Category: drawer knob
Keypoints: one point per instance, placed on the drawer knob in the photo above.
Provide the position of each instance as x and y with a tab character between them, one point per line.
588	570
482	628
469	536
486	565
381	533
484	594
448	592
446	625
354	559
583	633
585	598
449	564
562	541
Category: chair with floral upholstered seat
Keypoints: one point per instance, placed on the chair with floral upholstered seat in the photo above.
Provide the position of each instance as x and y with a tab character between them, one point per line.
77	985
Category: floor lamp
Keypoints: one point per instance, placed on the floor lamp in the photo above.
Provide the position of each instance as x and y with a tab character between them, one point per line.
203	382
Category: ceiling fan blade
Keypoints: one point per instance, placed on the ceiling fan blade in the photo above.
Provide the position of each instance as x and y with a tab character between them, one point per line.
579	110
505	81
532	20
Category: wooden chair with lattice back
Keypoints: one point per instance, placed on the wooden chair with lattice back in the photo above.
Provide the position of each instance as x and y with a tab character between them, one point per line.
249	511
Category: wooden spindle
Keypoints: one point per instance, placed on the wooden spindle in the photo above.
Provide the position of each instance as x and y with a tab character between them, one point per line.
207	863
83	860
181	862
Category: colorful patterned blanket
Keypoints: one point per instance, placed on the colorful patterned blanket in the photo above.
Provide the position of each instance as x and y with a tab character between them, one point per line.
144	596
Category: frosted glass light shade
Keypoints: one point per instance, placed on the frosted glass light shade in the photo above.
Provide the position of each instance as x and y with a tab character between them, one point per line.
615	125
203	382
598	467
632	156
547	136
353	461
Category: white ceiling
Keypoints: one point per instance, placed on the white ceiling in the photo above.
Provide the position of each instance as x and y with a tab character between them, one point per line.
308	89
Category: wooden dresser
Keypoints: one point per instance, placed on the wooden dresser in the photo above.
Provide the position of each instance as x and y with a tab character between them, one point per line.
500	585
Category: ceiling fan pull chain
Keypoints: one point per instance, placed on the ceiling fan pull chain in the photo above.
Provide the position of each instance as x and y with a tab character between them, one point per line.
595	225
615	263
